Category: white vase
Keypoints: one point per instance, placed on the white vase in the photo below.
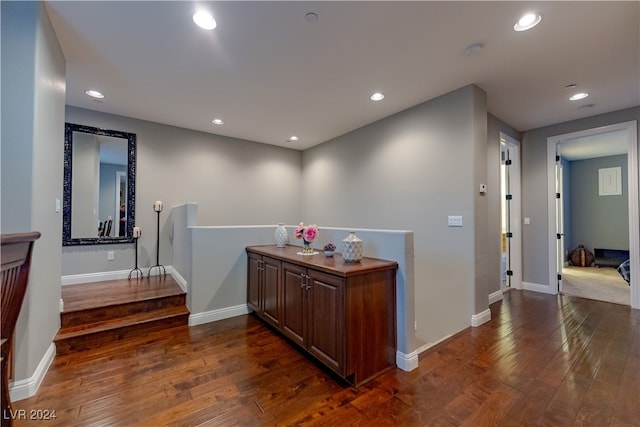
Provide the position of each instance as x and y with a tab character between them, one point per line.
281	236
352	248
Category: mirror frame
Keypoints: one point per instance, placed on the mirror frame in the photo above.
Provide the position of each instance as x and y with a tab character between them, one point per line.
67	240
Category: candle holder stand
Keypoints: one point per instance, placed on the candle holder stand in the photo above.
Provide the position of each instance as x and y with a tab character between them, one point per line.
158	265
136	270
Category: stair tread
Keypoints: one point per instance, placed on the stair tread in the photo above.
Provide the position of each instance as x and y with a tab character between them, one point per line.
87	296
132	319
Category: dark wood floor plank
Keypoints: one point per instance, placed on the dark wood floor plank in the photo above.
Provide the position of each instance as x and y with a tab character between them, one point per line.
542	360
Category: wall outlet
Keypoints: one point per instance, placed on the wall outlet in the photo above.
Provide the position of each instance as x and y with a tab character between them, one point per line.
111	256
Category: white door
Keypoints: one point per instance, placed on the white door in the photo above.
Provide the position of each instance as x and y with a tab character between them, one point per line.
511	212
559	222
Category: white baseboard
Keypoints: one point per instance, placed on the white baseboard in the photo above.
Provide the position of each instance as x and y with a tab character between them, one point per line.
23	389
407	362
214	315
74	279
495	297
528	286
427	346
180	280
481	318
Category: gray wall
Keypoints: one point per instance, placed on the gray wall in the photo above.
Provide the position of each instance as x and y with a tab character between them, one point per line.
85	185
535	250
108	188
33	96
598	221
410	171
235	182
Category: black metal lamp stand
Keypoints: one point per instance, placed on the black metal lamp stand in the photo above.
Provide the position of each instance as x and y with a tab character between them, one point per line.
157	206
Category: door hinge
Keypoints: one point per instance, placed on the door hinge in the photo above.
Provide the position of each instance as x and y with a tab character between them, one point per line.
559	276
509	196
557	195
557	158
509	272
507	162
509	234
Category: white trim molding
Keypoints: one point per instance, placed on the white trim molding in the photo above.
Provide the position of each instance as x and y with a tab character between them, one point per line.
23	389
481	318
427	346
535	287
75	279
631	130
407	362
219	314
181	281
495	296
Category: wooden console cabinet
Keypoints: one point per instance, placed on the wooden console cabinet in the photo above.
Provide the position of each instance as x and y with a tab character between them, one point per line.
342	314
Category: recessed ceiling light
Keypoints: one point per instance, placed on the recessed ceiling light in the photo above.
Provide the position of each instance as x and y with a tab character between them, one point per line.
527	22
94	93
578	96
292	138
377	96
203	19
217	121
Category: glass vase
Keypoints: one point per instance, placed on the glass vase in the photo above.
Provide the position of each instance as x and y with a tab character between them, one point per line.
307	248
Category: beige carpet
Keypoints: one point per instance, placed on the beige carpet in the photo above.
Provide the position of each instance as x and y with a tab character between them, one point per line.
604	284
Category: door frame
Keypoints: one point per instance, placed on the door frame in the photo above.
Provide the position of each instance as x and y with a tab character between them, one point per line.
515	211
631	130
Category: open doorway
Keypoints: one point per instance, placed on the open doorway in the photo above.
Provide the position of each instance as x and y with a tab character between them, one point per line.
569	156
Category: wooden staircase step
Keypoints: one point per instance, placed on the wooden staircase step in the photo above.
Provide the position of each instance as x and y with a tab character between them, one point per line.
91	335
104	313
112	292
101	312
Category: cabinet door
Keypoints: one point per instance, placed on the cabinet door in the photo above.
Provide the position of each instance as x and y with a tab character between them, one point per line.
326	320
253	281
271	290
294	291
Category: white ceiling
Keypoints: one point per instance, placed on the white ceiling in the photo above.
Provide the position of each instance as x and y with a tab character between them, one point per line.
270	74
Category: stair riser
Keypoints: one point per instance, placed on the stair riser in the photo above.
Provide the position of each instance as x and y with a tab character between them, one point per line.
112	312
97	339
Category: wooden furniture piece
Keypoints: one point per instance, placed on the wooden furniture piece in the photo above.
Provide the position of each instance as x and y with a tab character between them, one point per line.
342	314
16	261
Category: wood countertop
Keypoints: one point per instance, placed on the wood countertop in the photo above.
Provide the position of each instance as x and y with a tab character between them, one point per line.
333	265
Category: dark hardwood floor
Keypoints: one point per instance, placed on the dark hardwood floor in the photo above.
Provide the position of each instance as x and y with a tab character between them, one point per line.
543	360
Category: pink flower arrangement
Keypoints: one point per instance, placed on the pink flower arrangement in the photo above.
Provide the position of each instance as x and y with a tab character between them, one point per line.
308	233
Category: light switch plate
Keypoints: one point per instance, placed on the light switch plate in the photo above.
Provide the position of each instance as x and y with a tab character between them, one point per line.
455	221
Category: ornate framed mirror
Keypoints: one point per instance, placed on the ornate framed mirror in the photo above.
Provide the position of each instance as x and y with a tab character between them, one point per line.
99	186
